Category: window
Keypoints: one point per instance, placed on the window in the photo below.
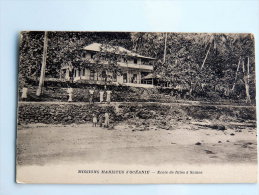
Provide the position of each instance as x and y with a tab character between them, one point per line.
79	72
92	55
134	78
125	78
83	72
125	60
92	72
103	75
135	61
74	72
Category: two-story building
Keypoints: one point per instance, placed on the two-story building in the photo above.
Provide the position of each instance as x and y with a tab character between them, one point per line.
134	68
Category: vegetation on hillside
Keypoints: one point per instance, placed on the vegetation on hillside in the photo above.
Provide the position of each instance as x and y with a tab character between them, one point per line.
209	65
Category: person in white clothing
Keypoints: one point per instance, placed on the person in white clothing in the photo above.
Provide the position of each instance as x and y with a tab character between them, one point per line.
24	93
91	98
94	120
70	93
108	98
106	120
101	96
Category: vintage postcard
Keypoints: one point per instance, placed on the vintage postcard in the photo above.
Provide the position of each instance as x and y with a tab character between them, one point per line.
136	107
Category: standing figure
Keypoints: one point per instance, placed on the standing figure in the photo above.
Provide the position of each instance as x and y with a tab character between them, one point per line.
101	96
108	98
94	120
91	99
100	120
24	93
106	120
70	93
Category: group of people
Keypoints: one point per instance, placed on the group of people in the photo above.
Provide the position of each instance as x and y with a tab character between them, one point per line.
91	95
103	120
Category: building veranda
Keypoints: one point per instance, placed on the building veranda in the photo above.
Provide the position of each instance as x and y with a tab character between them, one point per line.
132	68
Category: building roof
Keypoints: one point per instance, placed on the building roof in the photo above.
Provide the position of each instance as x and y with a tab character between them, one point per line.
155	76
67	65
97	47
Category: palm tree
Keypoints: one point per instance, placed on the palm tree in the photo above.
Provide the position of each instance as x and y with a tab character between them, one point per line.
246	80
43	66
243	45
212	42
235	81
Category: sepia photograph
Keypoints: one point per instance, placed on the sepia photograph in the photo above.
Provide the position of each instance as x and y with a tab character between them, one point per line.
136	107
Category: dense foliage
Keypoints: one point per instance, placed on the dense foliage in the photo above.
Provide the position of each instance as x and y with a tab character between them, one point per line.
209	65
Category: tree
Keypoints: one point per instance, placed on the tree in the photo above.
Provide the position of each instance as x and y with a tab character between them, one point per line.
63	48
211	42
30	56
189	53
246	80
242	51
43	66
238	66
205	64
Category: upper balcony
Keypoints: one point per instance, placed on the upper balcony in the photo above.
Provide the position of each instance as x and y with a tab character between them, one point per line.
128	64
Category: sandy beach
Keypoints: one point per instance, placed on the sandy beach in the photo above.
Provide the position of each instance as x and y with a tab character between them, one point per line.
41	144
